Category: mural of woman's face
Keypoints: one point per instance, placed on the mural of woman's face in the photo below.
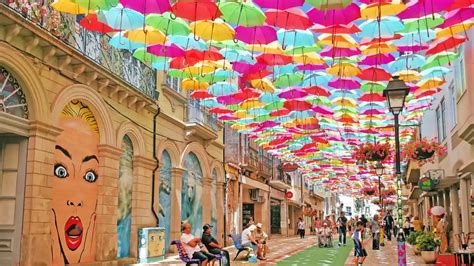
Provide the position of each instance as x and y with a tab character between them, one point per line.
74	196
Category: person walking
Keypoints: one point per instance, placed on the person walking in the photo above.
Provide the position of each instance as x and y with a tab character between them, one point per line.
375	230
342	228
406	226
388	219
360	252
301	227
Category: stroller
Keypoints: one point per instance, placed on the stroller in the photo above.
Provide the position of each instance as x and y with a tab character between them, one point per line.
325	237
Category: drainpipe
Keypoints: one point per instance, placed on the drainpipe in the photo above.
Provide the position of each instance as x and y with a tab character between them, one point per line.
155	157
226	183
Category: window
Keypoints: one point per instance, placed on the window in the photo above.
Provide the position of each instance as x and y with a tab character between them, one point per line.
459	73
174	83
453	103
441	120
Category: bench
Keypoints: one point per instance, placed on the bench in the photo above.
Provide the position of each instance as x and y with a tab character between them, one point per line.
237	241
183	256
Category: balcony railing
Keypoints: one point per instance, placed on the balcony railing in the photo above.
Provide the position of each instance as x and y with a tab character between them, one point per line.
94	46
198	114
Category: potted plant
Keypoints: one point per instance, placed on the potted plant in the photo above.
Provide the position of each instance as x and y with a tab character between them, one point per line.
411	239
372	152
427	245
423	151
369	191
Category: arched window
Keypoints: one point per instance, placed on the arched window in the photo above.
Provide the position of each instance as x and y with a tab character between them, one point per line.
191	193
164	209
12	98
124	219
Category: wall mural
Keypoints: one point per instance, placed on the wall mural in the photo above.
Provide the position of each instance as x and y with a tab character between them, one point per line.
164	212
74	186
214	202
191	192
124	219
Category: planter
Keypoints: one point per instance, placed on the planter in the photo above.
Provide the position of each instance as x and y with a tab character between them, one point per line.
416	250
423	155
429	256
369	192
377	157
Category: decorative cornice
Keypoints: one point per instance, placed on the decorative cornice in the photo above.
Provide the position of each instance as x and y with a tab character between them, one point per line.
141	161
109	151
44	129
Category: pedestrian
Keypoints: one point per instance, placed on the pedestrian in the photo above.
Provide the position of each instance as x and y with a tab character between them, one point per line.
213	246
301	227
388	225
342	228
317	225
375	230
360	252
406	226
417	224
364	220
351	225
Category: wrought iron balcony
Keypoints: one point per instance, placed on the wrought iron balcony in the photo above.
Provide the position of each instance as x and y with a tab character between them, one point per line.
199	114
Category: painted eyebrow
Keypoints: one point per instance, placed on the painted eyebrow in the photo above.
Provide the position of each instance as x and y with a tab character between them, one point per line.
90	157
63	150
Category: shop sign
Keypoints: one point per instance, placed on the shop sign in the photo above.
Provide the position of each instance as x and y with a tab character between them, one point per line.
427	184
289	167
289	195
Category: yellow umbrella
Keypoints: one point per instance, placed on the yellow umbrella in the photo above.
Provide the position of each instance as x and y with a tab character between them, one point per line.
70	7
264	85
338	40
310	58
306	121
193	84
271	48
242	114
238	126
222	64
199	69
150	36
378	47
251	103
344	70
430	83
216	30
408	75
455	29
344	101
375	10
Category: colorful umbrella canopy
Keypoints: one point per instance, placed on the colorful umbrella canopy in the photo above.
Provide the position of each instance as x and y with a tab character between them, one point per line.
242	13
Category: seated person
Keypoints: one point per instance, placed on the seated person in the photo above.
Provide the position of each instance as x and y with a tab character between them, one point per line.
325	234
261	238
248	238
213	246
192	248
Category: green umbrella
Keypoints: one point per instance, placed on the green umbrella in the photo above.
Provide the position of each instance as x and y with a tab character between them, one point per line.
177	74
440	59
242	13
274	105
234	44
318	100
329	4
346	109
428	22
368	86
288	80
97	4
147	58
291	50
262	118
233	107
168	24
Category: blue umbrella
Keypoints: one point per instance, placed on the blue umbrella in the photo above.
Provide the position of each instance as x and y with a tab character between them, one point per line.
284	69
236	55
162	66
434	72
318	78
210	103
302	114
269	97
415	38
295	38
122	18
410	61
222	88
387	26
258	111
121	42
188	42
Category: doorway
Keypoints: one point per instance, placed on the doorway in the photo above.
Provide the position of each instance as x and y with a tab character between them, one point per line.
12	189
275	217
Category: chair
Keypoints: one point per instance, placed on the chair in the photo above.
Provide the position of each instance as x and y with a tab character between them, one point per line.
183	256
237	240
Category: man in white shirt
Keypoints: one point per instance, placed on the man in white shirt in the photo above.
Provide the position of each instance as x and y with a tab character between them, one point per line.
192	247
248	238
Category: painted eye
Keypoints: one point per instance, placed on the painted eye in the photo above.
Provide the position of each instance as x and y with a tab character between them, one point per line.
90	176
60	171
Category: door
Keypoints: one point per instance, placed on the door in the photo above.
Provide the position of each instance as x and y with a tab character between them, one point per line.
12	187
275	217
247	214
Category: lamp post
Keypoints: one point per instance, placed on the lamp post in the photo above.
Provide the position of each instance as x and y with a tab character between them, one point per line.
379	172
396	93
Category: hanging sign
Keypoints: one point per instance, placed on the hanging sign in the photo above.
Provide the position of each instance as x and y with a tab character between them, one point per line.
289	167
289	195
427	184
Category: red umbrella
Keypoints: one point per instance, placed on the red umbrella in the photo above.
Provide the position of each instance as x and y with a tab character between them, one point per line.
273	59
317	90
201	94
280	112
246	93
336	29
196	9
459	4
256	75
220	110
279	4
374	74
366	41
290	19
91	23
372	97
445	43
457	16
193	56
345	15
297	105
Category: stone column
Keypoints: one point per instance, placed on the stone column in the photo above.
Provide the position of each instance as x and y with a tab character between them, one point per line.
37	216
454	198
447	202
426	207
107	200
142	215
206	199
465	203
220	212
176	186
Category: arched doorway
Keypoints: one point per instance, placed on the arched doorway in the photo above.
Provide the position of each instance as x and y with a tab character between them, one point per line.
191	193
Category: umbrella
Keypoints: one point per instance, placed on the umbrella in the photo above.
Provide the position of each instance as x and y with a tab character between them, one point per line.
295	37
292	93
273	59
330	51
377	59
421	8
297	105
378	48
434	72
317	90
148	36
409	61
345	15
457	16
216	30
437	211
92	23
196	9
264	85
344	83
339	41
97	4
290	19
311	58
287	80
188	42
67	6
119	41
256	34
142	55
445	43
343	69
440	59
455	29
147	6
222	89
374	74
328	5
168	24
279	4
242	13
168	50
386	26
336	29
122	18
192	84
381	9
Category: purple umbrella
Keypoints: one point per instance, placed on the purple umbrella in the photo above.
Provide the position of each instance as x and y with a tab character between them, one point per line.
167	50
413	48
421	8
377	59
373	112
256	34
279	4
311	67
147	6
330	51
336	16
229	99
341	83
292	93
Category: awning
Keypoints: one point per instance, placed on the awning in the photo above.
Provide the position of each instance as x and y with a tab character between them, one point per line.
254	183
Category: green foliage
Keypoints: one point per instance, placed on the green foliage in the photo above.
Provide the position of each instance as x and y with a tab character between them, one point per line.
427	242
411	239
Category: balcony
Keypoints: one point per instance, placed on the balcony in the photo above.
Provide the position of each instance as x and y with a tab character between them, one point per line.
251	161
200	123
281	181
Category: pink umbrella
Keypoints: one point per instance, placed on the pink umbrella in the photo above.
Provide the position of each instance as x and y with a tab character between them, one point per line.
457	16
168	50
330	51
227	117
279	4
247	68
229	99
413	48
292	93
311	67
336	29
336	16
322	110
377	59
289	19
342	83
147	6
256	34
374	74
421	8
373	112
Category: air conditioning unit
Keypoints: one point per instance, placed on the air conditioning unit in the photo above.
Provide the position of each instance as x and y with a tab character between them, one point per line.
261	199
254	194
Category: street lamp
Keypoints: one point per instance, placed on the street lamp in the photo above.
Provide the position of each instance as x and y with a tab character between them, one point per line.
379	172
396	93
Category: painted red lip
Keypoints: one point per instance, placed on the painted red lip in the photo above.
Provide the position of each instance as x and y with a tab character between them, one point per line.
73	232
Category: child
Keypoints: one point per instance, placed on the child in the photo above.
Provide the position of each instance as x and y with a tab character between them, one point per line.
359	251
